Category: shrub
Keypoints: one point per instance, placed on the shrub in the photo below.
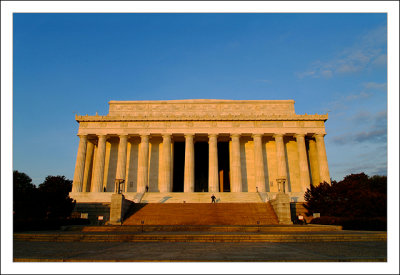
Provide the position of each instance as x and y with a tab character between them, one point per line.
354	223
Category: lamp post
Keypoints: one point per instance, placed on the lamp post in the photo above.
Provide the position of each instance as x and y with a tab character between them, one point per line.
119	186
281	185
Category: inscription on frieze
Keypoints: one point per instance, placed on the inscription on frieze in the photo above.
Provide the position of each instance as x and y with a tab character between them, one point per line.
201	109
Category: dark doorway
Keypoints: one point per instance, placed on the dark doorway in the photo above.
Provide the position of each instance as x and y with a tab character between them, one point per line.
179	166
201	167
223	167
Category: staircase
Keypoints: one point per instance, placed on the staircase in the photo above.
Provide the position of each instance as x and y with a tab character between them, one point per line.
201	197
201	214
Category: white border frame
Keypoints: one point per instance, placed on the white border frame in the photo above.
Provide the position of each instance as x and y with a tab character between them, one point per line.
391	8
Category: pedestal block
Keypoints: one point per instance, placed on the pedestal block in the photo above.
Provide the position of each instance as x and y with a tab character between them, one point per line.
119	206
281	205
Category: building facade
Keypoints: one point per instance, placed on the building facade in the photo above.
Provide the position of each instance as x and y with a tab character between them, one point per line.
193	146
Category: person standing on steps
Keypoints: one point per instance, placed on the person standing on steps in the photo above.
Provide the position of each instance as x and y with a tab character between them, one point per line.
213	199
147	188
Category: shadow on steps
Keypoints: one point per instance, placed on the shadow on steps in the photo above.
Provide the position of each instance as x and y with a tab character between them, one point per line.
201	214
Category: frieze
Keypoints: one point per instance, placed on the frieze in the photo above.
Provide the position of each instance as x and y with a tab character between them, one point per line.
290	124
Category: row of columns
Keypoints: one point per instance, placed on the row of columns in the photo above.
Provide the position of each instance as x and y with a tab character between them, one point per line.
166	184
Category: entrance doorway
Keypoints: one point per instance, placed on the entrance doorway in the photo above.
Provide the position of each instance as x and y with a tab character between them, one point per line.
179	164
223	167
201	167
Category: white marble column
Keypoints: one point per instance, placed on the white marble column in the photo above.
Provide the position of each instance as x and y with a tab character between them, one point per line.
236	168
99	165
88	167
213	163
143	166
280	156
166	185
303	163
80	165
121	163
189	164
259	173
322	159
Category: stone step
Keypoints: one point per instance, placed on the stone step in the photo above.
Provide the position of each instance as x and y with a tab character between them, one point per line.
201	214
205	228
277	237
201	197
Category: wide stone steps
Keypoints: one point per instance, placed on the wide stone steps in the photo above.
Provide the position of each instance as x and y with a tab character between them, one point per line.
204	228
224	237
201	197
201	214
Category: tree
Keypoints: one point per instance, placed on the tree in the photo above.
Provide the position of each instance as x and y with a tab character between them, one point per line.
356	195
319	199
54	196
22	183
25	194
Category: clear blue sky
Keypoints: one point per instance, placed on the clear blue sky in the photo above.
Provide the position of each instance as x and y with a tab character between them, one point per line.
75	63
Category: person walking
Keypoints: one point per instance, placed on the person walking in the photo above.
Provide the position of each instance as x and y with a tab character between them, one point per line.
213	199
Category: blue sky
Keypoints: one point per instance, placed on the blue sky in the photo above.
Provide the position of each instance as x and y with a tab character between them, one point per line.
75	63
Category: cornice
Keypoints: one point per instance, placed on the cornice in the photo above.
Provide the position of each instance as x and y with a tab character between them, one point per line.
206	117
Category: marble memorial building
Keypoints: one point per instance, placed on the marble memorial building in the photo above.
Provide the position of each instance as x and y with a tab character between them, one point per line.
199	146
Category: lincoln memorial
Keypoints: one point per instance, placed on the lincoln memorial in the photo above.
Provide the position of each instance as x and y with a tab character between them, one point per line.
188	147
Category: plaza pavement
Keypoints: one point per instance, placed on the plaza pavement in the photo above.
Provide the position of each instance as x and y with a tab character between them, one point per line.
299	251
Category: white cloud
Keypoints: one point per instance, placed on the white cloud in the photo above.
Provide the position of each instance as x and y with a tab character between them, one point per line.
375	86
370	50
305	74
327	73
360	95
375	129
343	102
380	60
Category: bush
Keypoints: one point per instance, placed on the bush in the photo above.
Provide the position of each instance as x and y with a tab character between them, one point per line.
46	224
354	223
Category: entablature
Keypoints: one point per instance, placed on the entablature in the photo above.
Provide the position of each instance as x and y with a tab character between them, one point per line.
127	127
205	117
